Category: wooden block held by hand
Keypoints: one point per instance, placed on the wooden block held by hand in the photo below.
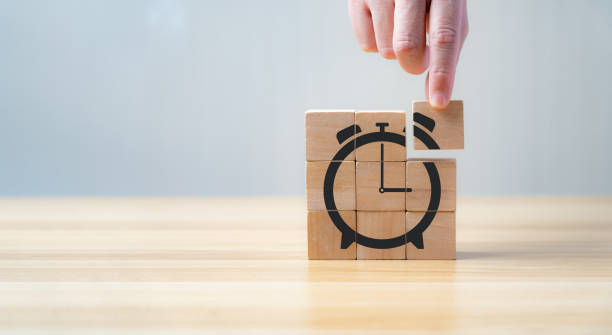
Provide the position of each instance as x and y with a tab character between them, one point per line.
324	239
418	179
438	239
440	129
327	131
381	225
374	121
343	186
368	186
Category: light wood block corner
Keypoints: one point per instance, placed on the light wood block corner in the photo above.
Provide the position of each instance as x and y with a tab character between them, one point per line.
343	188
327	131
438	239
438	129
324	239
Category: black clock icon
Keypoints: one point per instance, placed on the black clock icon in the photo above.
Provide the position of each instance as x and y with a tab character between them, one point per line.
415	235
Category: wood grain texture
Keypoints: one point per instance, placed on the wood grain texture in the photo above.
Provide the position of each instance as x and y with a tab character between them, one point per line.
344	186
448	130
367	121
324	237
417	178
438	239
381	225
322	127
239	265
368	184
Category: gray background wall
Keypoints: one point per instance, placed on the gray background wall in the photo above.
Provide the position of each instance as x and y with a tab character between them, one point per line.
207	97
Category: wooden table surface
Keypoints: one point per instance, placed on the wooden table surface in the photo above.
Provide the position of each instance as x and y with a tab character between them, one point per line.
238	265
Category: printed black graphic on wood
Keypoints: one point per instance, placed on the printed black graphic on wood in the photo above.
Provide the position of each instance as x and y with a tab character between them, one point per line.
415	235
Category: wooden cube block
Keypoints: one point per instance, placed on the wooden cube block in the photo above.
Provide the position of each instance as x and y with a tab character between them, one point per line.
375	121
381	194
324	238
343	185
418	179
327	131
438	239
438	129
381	225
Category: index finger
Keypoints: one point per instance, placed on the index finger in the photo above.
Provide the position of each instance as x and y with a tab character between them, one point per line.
444	43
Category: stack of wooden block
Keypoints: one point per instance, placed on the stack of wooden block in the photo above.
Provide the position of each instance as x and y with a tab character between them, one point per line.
365	199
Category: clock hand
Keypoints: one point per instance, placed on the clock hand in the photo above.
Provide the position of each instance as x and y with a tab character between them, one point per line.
382	188
396	189
382	169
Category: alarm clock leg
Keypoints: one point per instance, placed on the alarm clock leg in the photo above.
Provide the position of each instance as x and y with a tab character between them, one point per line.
324	239
438	239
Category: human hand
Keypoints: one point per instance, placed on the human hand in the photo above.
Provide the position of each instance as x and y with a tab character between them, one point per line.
397	30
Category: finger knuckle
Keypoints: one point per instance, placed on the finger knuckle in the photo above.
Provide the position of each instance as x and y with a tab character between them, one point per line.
444	37
379	5
440	72
407	46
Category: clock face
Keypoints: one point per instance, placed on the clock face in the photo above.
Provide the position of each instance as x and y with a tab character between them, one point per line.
383	139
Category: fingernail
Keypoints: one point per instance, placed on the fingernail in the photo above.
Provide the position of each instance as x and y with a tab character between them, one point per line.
368	48
437	100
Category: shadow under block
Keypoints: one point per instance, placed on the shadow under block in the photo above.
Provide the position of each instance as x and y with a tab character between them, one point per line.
381	225
418	179
344	185
327	131
396	123
444	126
368	184
438	239
324	238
